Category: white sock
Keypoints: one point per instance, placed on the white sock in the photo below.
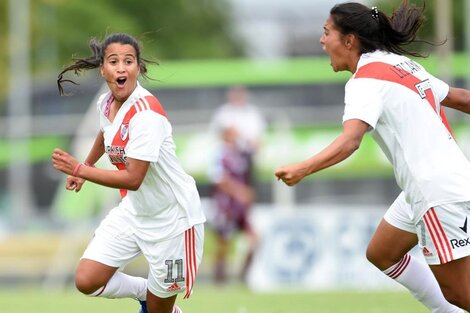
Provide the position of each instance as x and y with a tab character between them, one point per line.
176	309
123	286
420	281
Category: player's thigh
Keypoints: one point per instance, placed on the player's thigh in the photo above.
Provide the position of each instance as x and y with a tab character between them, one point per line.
394	237
389	244
454	280
156	304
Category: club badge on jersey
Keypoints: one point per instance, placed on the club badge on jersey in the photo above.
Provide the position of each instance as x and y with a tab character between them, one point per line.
124	131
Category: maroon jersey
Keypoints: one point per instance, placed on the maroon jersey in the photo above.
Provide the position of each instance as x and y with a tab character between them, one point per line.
231	214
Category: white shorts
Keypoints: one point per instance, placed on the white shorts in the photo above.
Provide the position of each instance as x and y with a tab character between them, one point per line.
399	214
173	263
442	232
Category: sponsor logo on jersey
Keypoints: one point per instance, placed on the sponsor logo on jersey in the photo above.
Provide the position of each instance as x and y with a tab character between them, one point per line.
116	154
464	227
460	243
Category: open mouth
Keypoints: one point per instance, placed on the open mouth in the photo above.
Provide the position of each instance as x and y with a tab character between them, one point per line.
121	81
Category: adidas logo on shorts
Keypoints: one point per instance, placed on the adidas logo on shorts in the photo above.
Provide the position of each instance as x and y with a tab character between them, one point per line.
173	287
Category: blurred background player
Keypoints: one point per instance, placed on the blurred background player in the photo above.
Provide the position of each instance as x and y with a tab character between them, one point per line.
245	117
233	197
160	215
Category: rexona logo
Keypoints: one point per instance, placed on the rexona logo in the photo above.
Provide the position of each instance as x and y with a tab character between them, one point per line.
459	243
464	227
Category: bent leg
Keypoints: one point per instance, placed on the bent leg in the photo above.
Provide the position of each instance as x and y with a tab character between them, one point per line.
388	245
388	251
160	305
91	275
221	251
100	280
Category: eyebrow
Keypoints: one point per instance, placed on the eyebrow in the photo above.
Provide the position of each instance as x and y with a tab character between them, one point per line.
126	55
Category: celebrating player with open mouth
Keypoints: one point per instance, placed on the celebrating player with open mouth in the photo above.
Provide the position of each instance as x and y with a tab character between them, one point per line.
394	99
160	213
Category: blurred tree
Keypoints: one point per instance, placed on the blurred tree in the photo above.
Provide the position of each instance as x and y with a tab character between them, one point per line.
427	31
168	29
4	46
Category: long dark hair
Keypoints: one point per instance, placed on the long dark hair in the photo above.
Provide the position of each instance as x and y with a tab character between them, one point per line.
96	59
377	31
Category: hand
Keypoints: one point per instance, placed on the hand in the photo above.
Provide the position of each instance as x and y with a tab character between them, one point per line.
63	161
74	183
291	174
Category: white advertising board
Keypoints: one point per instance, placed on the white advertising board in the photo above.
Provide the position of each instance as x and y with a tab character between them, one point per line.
319	248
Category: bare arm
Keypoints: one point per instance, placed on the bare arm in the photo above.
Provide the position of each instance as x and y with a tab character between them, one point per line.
129	178
97	149
340	149
458	99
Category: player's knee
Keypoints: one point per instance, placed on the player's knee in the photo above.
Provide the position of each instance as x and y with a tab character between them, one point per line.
372	255
85	284
378	259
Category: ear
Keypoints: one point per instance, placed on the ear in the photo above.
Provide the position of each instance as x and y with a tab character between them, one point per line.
350	40
101	71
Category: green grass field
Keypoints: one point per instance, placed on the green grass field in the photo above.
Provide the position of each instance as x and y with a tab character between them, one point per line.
212	299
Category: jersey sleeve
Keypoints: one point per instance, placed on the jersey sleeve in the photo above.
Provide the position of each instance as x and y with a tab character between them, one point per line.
147	132
362	102
440	88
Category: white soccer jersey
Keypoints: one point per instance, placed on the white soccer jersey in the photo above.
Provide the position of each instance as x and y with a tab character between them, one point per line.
246	119
167	202
401	103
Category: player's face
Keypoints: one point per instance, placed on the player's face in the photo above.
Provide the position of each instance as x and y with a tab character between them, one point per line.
334	44
120	69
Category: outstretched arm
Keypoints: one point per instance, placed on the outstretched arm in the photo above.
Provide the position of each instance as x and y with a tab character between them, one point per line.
458	99
340	149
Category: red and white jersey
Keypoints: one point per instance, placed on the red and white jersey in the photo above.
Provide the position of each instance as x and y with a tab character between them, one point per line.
167	202
401	103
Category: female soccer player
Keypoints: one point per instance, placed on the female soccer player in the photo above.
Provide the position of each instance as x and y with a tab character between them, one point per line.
399	103
159	214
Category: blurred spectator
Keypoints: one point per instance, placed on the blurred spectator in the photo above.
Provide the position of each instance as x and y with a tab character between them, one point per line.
245	117
240	125
233	197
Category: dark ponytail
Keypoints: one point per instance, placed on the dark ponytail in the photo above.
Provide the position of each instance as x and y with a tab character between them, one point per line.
96	59
376	31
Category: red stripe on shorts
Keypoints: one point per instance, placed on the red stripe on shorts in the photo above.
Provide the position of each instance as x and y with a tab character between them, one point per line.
191	268
438	236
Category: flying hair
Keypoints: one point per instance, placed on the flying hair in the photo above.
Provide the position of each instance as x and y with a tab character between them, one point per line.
377	31
97	55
